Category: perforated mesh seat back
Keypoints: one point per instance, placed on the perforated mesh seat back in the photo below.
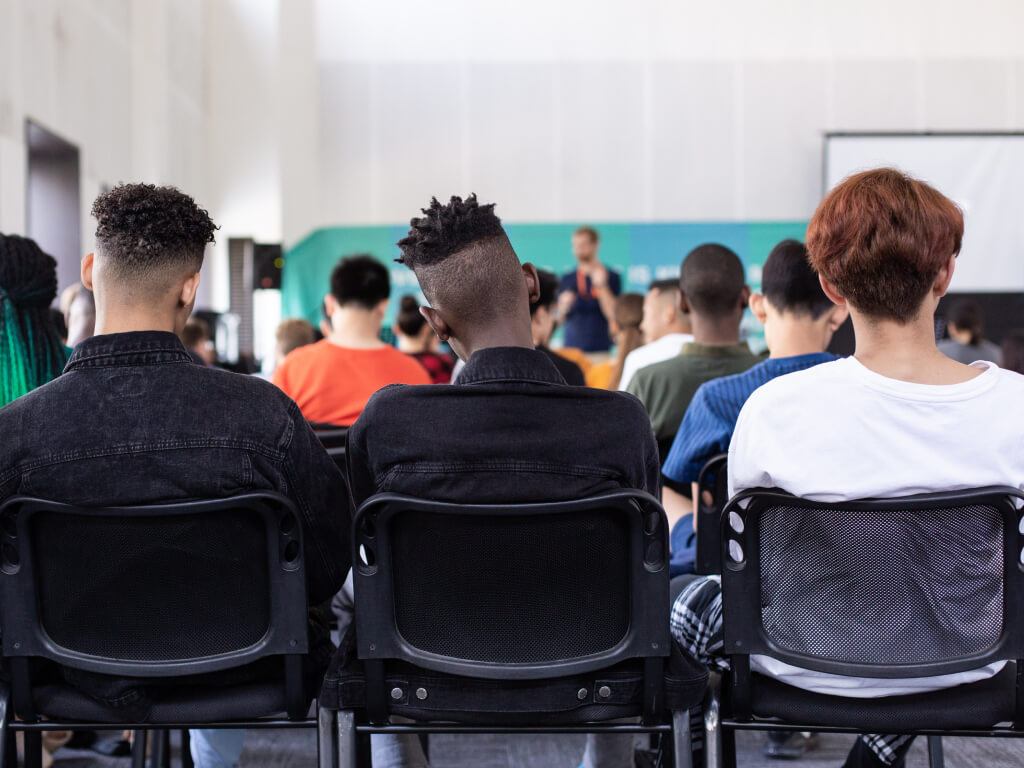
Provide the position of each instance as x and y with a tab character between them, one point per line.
511	589
883	586
143	588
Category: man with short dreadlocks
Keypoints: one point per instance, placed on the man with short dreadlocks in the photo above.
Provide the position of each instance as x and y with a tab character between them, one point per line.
511	430
133	420
31	352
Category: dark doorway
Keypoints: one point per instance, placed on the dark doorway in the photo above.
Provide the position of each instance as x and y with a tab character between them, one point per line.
53	201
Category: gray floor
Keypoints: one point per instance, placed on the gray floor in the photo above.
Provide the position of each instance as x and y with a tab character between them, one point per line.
297	749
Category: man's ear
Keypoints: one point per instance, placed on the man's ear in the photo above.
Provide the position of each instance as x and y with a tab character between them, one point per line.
330	304
382	307
757	306
837	316
189	288
744	297
830	290
684	305
87	264
532	282
945	276
436	322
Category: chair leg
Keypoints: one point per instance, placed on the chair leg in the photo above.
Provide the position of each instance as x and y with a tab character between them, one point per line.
712	733
157	749
186	749
326	738
5	733
33	749
682	746
139	749
346	740
935	756
728	748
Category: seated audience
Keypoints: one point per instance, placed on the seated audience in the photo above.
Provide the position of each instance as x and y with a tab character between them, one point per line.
799	320
552	441
625	328
133	421
665	327
1012	352
586	296
898	418
31	351
713	293
966	328
332	379
544	321
290	335
418	340
198	341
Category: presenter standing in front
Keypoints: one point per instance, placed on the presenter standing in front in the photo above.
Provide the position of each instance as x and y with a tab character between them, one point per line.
586	299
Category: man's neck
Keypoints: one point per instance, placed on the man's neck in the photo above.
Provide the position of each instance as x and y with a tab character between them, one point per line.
498	336
793	337
122	321
355	329
676	329
906	352
715	332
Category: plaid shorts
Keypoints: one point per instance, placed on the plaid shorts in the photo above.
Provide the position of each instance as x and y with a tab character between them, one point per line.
697	625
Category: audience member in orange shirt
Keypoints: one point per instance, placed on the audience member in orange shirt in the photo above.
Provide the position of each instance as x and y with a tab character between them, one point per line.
331	380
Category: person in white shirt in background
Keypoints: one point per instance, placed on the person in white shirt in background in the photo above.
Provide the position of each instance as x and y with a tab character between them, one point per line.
665	328
898	418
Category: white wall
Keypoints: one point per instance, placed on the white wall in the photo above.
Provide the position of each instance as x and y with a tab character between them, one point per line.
121	79
648	110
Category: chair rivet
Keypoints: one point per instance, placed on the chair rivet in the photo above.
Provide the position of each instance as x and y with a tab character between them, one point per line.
396	694
604	691
581	694
421	693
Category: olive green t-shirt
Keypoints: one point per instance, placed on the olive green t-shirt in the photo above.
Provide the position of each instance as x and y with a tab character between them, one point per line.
666	388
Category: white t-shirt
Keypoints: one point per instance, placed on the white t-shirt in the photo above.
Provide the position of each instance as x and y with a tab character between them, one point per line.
839	431
668	346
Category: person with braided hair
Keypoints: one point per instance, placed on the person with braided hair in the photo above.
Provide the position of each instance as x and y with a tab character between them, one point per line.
31	352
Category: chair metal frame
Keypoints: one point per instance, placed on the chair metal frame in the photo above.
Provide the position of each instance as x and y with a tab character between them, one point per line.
745	634
25	639
379	640
708	516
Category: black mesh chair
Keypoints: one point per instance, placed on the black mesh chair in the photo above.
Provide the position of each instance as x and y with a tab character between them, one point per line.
510	619
890	588
156	595
333	439
712	496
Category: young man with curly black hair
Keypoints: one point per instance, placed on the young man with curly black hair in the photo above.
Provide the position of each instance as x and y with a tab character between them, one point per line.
133	420
511	430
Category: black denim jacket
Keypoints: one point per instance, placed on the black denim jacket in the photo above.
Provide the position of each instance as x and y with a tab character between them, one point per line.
510	430
133	420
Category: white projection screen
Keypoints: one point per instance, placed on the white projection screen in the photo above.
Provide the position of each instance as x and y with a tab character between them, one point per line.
983	173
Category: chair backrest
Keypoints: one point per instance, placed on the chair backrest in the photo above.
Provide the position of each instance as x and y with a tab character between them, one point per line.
526	591
153	591
713	481
883	588
330	436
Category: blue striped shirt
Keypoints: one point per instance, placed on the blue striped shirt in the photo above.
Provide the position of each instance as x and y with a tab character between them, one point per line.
711	416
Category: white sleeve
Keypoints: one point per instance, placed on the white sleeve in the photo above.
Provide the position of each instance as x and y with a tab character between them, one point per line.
628	369
747	445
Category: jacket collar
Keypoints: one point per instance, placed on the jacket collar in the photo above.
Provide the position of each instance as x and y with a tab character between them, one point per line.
136	348
510	364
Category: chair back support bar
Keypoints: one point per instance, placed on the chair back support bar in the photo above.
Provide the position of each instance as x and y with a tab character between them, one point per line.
714	479
153	591
886	588
529	591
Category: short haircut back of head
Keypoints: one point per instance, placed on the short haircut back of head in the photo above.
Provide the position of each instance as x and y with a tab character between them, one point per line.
712	277
150	236
360	281
789	282
463	260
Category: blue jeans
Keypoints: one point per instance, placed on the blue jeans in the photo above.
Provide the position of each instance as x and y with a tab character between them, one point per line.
216	747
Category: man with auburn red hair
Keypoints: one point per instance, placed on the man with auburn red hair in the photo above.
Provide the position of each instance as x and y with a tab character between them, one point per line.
911	419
